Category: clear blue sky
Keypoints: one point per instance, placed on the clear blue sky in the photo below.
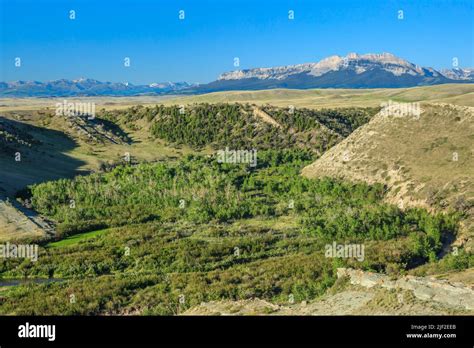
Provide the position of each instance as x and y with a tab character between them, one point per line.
203	45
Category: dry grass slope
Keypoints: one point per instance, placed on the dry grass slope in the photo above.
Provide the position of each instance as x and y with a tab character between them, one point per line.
426	162
15	225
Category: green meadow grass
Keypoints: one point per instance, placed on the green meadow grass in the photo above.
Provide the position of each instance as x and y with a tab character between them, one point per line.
75	239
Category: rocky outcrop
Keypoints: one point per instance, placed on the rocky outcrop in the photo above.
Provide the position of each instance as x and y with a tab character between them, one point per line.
427	289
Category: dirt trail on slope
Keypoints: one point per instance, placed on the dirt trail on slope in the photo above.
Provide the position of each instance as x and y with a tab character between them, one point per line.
265	117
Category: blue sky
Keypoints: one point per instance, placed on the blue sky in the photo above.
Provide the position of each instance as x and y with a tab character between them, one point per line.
162	47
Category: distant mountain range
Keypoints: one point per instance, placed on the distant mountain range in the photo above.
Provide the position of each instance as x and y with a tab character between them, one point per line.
352	71
86	87
459	74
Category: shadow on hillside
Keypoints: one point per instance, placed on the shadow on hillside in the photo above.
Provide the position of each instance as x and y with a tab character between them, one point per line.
31	154
116	130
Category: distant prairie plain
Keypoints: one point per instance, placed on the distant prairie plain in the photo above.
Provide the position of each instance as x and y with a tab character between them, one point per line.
459	94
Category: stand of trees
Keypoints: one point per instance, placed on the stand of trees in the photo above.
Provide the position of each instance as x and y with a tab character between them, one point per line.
198	189
234	125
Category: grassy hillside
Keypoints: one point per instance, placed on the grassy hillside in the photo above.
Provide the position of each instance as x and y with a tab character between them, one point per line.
424	162
57	147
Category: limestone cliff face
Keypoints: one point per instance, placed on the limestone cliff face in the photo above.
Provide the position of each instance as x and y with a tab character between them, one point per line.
358	63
